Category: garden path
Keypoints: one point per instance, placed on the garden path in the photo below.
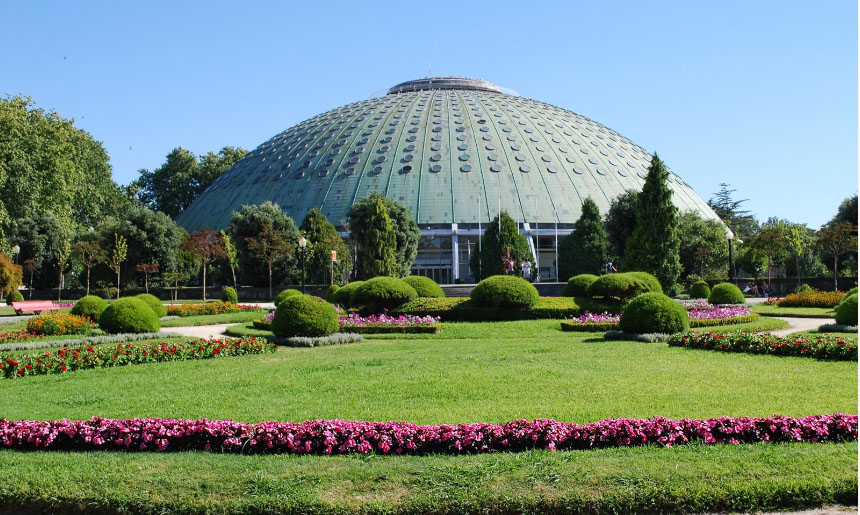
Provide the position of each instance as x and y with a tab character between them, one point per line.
800	324
200	331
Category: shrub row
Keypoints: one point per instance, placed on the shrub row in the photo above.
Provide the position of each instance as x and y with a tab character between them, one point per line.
70	359
325	437
588	327
207	308
837	328
320	341
379	293
393	329
89	340
811	299
821	347
464	310
568	325
624	286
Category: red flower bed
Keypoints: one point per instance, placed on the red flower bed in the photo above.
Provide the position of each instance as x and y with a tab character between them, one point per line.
70	359
345	437
825	346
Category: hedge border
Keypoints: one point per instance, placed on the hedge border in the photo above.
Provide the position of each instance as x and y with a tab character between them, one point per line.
392	329
91	340
613	326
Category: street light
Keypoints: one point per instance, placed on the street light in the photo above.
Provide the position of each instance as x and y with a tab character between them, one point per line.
302	244
15	251
730	236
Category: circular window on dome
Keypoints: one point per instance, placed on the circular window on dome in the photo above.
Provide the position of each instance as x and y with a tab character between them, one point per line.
436	137
546	159
570	159
386	139
436	157
490	147
605	153
384	148
466	168
601	171
408	157
353	160
534	139
507	129
461	137
516	148
630	164
525	168
461	129
487	137
622	173
328	162
409	148
285	166
297	175
436	148
413	130
641	175
551	169
493	157
520	157
485	129
435	168
528	129
358	150
464	157
592	160
411	138
462	147
437	129
496	168
563	149
377	169
540	148
406	169
323	173
380	159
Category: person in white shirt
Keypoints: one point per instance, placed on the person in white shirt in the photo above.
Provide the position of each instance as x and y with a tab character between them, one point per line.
527	269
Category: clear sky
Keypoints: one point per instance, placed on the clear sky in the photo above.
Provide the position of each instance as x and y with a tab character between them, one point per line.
761	95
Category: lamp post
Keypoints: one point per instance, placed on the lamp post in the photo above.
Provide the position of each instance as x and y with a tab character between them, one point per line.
15	251
303	243
730	236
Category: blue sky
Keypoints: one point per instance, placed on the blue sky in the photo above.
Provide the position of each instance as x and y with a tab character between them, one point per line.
761	95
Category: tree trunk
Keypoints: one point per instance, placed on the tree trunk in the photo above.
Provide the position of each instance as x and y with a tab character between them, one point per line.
204	281
233	271
88	280
836	272
117	283
60	287
146	282
270	281
30	292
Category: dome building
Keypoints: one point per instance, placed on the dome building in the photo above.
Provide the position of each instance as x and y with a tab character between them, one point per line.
454	151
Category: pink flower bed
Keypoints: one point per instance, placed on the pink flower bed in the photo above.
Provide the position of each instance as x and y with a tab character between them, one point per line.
355	320
64	304
696	304
345	437
595	318
711	312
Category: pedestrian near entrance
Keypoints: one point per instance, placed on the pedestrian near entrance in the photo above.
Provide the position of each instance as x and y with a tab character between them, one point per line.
509	266
527	269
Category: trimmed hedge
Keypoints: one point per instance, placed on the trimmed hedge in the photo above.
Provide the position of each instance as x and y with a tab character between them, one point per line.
726	293
393	329
329	293
154	304
129	315
286	294
505	291
578	327
343	296
847	312
654	313
700	290
625	286
612	326
424	286
458	309
90	307
229	295
577	286
15	296
382	293
303	315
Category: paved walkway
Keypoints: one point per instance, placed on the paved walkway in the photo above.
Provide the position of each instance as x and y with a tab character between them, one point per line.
800	324
200	331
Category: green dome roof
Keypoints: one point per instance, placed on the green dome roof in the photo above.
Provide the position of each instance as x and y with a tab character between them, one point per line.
448	148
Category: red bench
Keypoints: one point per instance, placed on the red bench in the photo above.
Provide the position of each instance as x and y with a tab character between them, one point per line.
36	306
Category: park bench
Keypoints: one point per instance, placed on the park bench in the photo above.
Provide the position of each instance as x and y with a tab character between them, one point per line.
36	306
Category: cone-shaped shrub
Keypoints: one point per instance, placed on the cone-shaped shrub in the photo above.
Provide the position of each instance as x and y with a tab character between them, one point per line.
304	315
381	293
577	286
846	314
90	307
424	286
129	315
505	291
154	304
654	313
229	295
700	290
726	293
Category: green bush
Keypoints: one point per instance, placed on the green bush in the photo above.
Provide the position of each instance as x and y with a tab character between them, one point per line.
804	289
852	291
654	313
154	304
304	315
846	314
90	307
285	295
329	294
229	295
424	286
381	293
624	286
726	293
577	286
505	291
16	296
700	290
129	315
343	296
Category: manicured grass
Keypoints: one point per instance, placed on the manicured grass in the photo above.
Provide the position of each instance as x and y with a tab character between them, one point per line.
61	345
693	478
776	311
224	318
815	332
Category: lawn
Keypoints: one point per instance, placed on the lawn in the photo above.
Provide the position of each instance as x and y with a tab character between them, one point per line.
776	311
488	372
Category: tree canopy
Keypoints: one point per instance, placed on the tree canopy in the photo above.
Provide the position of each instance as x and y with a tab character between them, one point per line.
248	222
496	245
584	250
323	238
704	250
406	231
620	221
730	211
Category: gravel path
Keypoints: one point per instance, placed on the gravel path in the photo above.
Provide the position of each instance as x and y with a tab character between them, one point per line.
800	324
200	331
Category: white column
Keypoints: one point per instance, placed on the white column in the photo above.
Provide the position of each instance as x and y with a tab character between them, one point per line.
455	253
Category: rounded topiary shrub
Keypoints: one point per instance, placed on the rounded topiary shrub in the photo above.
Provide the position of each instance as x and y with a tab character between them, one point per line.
700	290
846	314
129	315
804	289
15	296
304	315
577	286
646	283
381	293
654	313
505	291
90	307
726	293
286	294
343	296
621	287
229	295
424	286
329	294
154	304
852	291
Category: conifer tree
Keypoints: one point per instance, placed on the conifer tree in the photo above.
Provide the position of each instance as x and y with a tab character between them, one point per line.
323	238
496	246
654	246
377	255
584	250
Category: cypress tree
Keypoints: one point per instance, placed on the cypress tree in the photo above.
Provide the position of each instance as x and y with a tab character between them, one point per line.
322	239
584	250
494	249
654	246
377	256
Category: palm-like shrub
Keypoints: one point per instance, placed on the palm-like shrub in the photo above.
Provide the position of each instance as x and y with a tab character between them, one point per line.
654	313
577	286
505	291
424	286
154	304
700	290
381	293
304	315
90	307
726	293
129	315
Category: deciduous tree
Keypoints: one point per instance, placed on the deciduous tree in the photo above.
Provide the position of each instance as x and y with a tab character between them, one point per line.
206	245
269	246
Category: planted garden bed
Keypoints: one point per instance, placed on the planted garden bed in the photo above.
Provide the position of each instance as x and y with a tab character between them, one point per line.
824	346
